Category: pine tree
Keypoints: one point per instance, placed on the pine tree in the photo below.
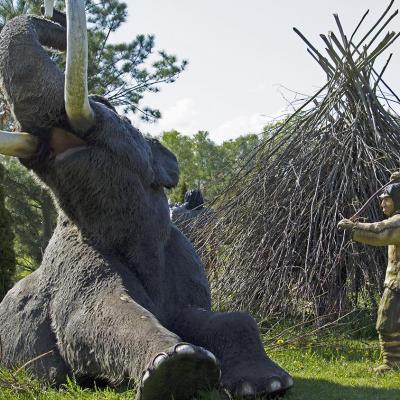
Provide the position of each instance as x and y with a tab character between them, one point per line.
120	72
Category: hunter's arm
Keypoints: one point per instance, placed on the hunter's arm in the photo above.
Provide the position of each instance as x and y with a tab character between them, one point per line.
381	233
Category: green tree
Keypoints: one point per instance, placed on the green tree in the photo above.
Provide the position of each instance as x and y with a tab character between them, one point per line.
205	165
7	255
32	213
121	72
182	147
236	151
11	8
209	163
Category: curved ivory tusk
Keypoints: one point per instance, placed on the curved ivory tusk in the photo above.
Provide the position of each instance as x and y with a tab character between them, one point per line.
21	144
79	112
48	8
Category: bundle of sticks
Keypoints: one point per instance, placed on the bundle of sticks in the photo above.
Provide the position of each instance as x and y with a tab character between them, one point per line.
273	246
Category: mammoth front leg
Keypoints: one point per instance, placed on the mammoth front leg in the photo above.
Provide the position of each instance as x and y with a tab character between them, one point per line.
105	333
235	339
113	337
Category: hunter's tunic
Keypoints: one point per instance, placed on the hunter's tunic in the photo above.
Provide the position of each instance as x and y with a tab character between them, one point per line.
385	233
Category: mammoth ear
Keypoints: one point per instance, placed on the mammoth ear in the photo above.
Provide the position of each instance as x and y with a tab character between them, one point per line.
165	165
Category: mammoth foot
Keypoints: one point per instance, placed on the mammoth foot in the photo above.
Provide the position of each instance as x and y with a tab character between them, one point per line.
179	374
251	378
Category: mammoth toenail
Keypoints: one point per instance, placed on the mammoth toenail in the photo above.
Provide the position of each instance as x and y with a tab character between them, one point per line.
210	355
246	390
184	349
159	360
145	376
289	381
274	386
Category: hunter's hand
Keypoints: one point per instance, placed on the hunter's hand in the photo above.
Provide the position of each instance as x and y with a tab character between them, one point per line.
395	177
345	224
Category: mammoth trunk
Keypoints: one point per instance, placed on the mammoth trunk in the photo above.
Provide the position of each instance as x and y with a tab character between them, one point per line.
32	83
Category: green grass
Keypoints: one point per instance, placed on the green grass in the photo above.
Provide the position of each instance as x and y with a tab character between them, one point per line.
337	369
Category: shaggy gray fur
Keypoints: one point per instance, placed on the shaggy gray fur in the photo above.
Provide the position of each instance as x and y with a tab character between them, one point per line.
118	283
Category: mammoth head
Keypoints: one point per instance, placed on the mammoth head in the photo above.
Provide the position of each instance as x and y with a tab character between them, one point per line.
92	158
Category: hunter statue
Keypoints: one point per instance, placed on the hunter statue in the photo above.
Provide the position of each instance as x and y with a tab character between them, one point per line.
385	233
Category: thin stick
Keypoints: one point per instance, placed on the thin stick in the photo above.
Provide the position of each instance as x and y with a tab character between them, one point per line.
376	24
311	46
382	72
358	26
32	361
380	30
338	23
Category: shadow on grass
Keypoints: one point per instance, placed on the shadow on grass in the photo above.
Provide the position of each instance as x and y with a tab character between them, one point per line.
316	389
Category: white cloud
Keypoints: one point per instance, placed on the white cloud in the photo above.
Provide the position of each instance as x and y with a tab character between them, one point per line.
185	117
241	125
181	116
260	87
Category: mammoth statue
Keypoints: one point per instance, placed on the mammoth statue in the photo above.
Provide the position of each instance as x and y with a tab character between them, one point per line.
121	295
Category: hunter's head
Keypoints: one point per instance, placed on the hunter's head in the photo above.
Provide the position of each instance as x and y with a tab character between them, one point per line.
390	199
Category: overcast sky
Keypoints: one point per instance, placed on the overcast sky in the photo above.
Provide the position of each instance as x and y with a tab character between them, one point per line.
242	55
